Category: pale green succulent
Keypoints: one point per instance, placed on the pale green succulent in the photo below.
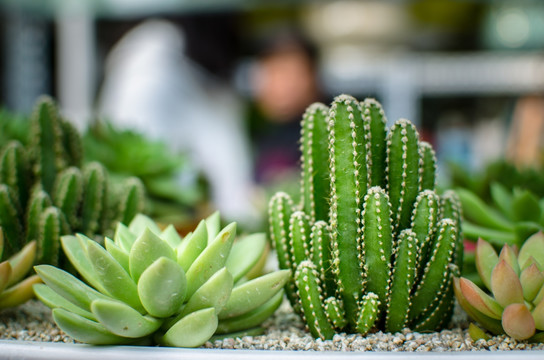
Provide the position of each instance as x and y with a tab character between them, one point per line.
152	286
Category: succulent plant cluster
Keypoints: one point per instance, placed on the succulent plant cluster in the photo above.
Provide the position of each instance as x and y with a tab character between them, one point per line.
152	286
45	191
513	216
372	243
13	289
515	281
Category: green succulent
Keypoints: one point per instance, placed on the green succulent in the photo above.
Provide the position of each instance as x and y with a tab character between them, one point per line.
514	303
152	286
15	289
372	244
45	192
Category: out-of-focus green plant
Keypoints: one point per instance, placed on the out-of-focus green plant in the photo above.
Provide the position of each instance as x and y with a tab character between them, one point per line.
515	281
152	286
128	153
45	192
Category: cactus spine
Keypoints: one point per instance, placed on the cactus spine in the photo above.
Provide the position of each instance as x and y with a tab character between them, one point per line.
372	243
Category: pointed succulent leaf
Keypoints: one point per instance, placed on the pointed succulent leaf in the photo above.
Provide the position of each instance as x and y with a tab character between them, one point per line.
477	333
245	254
123	320
538	315
505	285
254	293
252	318
213	293
84	330
533	246
525	206
116	281
161	288
21	263
121	256
494	236
491	324
5	273
212	258
171	235
192	246
19	293
510	257
502	198
486	260
213	226
145	250
53	300
142	222
368	313
479	299
475	210
75	249
124	237
308	284
518	322
192	330
532	280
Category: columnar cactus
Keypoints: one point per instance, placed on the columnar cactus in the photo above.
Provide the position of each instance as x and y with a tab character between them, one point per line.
45	192
149	285
372	243
515	282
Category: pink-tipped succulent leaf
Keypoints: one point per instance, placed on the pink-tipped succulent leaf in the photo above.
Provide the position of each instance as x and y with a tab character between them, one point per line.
505	285
518	322
486	259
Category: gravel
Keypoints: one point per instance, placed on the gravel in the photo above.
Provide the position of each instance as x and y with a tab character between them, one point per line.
284	331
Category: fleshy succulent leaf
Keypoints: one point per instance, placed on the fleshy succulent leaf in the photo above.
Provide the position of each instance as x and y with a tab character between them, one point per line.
518	322
192	330
486	260
479	299
213	293
145	250
192	245
532	280
505	285
245	254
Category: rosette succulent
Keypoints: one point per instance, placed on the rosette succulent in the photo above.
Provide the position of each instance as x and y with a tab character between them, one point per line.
372	243
514	303
15	289
152	286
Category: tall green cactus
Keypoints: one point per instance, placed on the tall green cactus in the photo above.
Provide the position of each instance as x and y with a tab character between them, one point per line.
45	192
372	243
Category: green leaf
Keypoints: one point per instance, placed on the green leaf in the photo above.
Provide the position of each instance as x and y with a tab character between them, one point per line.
244	254
191	247
213	293
193	330
85	330
145	250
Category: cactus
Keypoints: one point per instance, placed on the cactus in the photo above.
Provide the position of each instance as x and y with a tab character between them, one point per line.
372	244
15	289
515	282
149	285
45	193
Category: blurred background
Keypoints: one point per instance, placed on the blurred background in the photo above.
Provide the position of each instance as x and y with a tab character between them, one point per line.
225	82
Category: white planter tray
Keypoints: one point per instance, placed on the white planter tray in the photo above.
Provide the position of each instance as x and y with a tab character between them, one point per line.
28	350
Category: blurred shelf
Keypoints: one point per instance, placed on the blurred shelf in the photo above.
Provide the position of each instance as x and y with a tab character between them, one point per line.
400	80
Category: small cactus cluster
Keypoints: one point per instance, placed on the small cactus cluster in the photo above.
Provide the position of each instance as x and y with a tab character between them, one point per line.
152	286
515	280
13	289
372	244
45	191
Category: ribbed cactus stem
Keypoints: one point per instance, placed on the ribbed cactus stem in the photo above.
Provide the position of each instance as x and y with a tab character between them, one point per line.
378	243
311	298
374	115
451	208
348	185
95	191
38	202
368	313
335	312
299	235
424	220
10	215
67	194
52	226
403	279
427	167
132	199
47	143
402	171
15	170
314	162
435	276
321	255
72	144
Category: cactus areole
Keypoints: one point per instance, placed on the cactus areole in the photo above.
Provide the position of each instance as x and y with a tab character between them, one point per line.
372	245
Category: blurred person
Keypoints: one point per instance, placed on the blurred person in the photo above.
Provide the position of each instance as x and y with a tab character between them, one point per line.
153	86
284	82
